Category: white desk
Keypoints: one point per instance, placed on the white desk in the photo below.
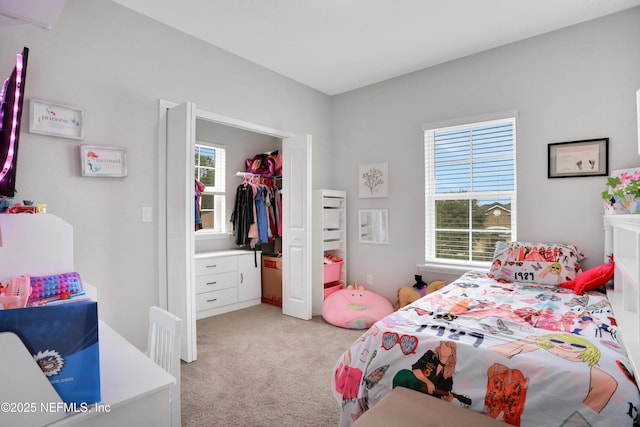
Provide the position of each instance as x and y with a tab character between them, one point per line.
133	388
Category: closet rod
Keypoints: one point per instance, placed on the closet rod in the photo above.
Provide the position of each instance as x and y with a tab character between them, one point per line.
256	175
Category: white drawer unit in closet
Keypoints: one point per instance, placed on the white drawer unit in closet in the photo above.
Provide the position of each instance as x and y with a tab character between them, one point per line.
226	281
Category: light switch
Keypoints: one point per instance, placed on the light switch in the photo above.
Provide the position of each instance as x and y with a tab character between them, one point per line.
147	214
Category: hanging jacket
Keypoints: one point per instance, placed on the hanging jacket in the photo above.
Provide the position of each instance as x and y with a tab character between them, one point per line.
242	216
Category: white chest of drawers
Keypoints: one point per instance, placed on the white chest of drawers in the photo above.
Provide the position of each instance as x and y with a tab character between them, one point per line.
226	281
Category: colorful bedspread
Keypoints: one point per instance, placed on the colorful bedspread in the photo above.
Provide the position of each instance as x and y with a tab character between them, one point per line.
529	355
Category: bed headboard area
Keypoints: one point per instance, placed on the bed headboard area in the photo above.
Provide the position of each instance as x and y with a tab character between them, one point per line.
622	240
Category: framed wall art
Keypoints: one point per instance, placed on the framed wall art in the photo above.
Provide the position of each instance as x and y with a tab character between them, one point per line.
589	157
103	161
63	121
373	180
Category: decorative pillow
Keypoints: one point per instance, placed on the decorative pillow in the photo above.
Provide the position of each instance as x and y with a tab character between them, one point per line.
591	279
541	263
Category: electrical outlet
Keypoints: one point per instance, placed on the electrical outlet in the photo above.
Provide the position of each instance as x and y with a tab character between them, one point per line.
369	279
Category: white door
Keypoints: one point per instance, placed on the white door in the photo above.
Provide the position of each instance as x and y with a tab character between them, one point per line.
296	227
180	224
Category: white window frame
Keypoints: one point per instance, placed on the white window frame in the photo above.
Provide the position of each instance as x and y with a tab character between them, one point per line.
441	265
218	192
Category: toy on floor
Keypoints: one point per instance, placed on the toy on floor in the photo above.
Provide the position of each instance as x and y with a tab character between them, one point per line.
355	308
409	294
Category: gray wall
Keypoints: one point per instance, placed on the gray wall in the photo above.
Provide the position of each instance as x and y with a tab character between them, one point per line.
576	83
572	84
117	65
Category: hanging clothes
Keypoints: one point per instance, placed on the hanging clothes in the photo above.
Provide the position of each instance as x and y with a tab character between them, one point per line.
257	212
261	213
243	216
199	188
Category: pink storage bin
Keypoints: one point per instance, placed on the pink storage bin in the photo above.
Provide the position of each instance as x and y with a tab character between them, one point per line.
332	272
332	287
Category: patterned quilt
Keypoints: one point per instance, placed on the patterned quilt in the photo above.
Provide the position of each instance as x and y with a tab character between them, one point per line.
530	355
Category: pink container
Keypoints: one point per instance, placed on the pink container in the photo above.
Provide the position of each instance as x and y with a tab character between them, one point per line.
330	288
332	272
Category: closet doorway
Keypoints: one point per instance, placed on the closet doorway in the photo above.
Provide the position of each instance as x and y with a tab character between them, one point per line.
176	248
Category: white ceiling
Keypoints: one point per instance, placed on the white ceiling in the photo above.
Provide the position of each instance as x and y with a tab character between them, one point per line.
339	45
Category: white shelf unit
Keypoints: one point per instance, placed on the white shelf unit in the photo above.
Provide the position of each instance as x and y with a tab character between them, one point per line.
622	239
329	238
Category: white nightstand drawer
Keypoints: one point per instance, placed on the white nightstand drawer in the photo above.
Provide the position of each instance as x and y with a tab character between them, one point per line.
216	299
214	265
216	282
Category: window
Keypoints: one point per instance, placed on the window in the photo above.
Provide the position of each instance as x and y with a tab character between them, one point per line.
209	169
470	191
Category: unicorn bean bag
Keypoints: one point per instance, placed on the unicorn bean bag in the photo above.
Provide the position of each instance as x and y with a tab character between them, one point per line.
355	308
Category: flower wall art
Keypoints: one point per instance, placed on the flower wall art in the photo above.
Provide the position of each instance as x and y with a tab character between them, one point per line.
373	180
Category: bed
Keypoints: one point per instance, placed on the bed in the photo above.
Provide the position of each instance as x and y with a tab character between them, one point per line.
512	343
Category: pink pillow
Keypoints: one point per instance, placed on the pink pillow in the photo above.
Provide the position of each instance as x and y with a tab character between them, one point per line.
591	279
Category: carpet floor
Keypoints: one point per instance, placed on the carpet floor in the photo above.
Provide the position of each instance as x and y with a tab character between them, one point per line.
258	367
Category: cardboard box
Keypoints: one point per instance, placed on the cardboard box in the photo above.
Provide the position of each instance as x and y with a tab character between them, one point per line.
272	280
63	339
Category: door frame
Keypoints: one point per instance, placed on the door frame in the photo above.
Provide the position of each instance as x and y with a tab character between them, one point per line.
165	105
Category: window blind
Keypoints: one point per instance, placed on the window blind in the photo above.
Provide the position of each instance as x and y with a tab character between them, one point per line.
470	190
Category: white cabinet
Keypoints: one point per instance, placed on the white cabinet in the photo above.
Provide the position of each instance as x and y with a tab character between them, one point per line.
329	239
249	277
226	281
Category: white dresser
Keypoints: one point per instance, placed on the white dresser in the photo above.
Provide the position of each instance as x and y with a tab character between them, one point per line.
226	281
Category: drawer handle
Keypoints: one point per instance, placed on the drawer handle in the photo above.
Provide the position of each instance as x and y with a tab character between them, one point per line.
211	283
212	266
241	278
212	300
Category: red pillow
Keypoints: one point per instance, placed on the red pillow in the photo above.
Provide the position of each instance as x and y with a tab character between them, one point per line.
591	279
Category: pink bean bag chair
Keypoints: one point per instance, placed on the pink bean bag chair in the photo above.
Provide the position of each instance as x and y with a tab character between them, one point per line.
355	308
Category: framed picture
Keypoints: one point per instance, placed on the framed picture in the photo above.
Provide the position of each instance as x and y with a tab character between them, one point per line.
579	158
373	180
103	161
63	121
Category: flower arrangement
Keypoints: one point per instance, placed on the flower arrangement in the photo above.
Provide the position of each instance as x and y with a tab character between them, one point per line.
623	193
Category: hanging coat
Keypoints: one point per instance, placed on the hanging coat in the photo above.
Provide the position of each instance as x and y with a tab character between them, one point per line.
242	216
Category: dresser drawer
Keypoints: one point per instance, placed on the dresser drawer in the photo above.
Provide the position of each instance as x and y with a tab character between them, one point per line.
216	299
216	282
214	265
